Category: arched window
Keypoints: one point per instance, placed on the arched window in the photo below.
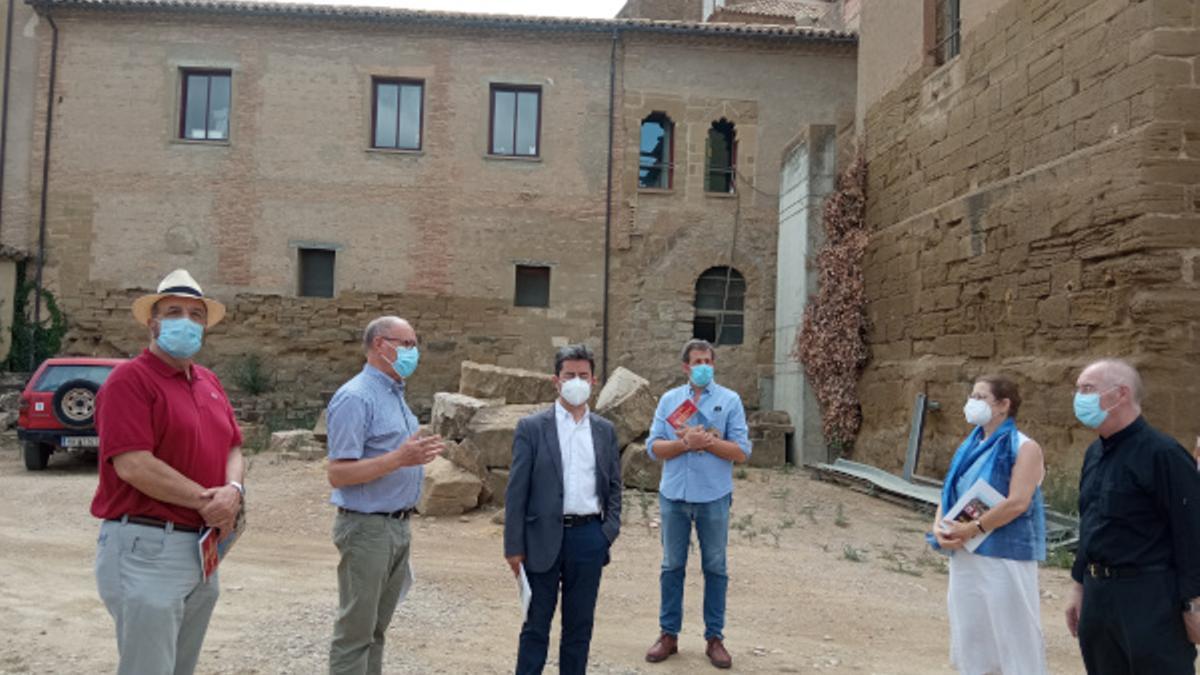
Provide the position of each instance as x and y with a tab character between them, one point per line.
721	157
656	155
720	306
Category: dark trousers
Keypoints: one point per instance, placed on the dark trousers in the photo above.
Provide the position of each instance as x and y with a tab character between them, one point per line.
1134	626
577	569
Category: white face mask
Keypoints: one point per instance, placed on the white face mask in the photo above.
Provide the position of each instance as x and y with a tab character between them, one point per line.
576	391
977	412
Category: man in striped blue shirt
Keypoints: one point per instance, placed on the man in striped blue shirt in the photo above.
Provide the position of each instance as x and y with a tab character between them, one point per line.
699	433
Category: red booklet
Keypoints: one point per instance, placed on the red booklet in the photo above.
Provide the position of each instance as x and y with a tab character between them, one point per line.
212	550
682	414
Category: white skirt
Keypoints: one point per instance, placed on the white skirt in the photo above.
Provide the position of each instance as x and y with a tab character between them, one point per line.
995	618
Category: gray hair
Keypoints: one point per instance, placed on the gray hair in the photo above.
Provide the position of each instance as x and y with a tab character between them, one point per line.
1121	373
376	328
579	352
696	344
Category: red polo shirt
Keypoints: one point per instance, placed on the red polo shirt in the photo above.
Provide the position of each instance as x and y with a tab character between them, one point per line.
148	405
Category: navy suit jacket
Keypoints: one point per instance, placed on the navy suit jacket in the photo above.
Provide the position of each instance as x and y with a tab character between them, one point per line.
533	502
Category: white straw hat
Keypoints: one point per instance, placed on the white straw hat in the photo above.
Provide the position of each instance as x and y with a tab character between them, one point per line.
178	283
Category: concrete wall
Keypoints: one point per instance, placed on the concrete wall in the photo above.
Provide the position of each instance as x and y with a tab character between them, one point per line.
1033	205
432	235
809	177
18	216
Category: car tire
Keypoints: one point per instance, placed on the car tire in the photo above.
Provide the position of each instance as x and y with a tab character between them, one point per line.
37	455
75	403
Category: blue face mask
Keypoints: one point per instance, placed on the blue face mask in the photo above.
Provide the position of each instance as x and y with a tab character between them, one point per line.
180	338
701	375
406	360
1088	410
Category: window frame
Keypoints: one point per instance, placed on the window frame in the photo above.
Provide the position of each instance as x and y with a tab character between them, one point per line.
517	267
300	252
718	315
377	80
669	127
731	171
184	74
517	90
947	39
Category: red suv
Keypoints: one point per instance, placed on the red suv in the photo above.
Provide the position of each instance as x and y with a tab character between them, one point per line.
58	406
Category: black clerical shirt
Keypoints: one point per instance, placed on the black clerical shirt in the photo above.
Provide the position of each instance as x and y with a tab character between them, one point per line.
1139	506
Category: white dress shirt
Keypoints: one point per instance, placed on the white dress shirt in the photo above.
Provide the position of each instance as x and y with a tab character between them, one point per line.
578	462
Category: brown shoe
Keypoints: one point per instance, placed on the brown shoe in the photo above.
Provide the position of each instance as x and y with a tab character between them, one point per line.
717	655
665	646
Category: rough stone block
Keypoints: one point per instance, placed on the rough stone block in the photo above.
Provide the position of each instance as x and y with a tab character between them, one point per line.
448	490
626	401
495	482
321	429
638	470
491	431
452	414
283	441
768	435
514	385
465	455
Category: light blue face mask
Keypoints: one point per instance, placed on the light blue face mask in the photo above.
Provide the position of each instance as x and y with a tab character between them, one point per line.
406	360
701	375
180	337
1088	410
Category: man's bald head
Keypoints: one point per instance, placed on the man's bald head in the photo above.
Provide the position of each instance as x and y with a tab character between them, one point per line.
1116	373
385	327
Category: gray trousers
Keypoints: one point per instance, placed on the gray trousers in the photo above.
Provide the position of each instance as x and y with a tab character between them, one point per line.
150	581
373	577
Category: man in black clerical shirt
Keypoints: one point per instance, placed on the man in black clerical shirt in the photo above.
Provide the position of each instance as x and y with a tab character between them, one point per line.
1135	605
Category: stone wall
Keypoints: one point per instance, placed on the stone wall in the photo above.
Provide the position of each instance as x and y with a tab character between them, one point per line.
1034	204
431	235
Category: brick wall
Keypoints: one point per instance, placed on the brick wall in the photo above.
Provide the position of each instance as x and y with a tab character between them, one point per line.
1034	205
432	236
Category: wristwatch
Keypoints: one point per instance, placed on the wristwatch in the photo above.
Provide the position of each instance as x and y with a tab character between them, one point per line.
239	487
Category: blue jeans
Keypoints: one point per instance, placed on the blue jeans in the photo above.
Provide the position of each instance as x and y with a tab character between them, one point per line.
712	529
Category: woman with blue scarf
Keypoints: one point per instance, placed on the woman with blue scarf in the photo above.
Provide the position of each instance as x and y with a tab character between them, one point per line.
995	618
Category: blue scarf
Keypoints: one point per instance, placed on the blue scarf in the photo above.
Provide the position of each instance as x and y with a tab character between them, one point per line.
996	466
992	459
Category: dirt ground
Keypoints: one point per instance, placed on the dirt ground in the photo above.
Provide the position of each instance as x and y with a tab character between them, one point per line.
798	603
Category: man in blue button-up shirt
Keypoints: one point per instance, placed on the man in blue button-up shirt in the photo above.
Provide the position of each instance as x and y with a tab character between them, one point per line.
376	466
699	433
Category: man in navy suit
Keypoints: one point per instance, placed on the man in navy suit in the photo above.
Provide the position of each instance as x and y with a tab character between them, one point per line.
562	512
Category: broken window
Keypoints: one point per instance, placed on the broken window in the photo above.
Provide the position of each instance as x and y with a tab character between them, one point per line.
657	153
397	116
721	157
947	40
204	105
516	121
533	286
720	306
316	272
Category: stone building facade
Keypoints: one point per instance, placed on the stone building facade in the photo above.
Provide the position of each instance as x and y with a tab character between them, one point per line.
1033	203
441	233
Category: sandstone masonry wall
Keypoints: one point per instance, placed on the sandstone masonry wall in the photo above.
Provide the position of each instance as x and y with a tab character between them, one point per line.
1034	204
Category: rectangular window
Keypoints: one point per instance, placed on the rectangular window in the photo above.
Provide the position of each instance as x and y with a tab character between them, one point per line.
316	272
204	105
398	115
656	153
533	286
946	34
515	121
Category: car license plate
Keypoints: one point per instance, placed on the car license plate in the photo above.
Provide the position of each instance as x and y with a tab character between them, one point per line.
81	441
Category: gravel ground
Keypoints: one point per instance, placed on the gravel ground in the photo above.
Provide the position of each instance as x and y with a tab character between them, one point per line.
823	579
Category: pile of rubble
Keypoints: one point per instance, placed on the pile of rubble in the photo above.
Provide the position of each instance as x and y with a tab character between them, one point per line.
479	421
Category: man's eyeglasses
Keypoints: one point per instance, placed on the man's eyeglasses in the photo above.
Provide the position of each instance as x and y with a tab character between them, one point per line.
409	344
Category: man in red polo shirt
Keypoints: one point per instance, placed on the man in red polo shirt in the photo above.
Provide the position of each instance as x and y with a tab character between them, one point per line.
170	463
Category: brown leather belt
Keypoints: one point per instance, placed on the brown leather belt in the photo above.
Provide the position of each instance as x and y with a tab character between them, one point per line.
402	514
155	522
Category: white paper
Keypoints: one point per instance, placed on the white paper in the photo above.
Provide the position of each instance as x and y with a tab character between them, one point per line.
985	493
524	593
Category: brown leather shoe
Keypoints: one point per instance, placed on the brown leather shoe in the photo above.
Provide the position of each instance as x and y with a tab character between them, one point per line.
717	654
665	646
